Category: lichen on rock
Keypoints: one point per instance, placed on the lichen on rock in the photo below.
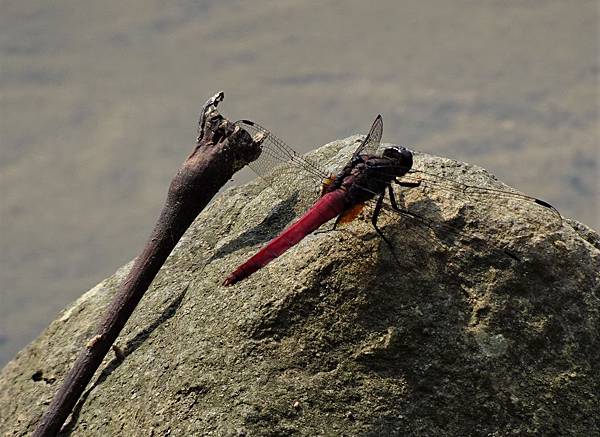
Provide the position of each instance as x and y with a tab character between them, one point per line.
336	338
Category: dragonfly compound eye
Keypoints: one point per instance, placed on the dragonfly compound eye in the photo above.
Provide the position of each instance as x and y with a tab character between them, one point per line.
400	154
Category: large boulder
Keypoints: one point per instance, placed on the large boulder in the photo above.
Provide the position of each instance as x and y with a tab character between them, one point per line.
337	337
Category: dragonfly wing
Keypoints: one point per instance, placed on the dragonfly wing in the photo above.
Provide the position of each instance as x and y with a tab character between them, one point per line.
292	176
371	142
458	216
507	207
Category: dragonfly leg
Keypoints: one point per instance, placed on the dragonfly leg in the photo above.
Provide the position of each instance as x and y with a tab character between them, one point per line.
337	222
333	228
392	196
374	219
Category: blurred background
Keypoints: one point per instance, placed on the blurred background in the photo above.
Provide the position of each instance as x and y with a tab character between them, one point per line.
99	103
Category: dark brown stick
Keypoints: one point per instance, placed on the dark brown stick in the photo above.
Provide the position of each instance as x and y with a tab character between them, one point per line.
221	150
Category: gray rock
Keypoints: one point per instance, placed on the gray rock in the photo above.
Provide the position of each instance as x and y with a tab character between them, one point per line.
336	338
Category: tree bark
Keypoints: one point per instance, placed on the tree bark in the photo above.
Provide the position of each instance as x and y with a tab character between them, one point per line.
222	148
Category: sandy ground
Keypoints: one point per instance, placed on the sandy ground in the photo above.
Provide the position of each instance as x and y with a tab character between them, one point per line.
99	102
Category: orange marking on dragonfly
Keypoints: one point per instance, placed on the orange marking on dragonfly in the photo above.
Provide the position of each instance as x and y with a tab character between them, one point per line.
350	214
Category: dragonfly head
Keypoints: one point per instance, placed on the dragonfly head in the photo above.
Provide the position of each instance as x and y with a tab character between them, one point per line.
402	157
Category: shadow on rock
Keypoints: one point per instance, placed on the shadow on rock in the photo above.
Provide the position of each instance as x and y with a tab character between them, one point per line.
266	230
131	346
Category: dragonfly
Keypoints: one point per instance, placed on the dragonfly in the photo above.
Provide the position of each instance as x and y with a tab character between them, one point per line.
371	175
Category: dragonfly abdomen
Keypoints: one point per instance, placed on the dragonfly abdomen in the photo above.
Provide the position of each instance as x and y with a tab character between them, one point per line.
327	207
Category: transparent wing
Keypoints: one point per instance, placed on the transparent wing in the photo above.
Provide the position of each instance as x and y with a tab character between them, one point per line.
491	222
292	176
372	140
502	205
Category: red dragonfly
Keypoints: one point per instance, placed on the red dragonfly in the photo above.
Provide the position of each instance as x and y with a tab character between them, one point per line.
367	176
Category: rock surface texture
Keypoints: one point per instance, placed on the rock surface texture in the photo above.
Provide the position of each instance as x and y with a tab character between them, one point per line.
335	337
